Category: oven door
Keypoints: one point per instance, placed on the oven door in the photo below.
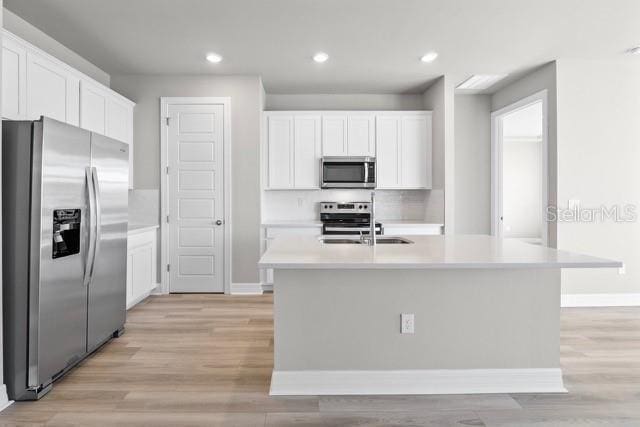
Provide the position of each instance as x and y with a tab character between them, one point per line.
348	173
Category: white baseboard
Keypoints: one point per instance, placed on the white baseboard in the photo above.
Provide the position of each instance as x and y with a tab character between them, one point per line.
4	399
599	300
445	381
246	289
143	296
267	287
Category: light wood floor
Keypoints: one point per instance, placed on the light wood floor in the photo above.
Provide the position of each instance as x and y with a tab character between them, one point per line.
206	360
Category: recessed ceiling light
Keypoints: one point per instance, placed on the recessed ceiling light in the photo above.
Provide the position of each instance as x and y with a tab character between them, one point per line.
429	57
481	81
214	57
634	50
320	57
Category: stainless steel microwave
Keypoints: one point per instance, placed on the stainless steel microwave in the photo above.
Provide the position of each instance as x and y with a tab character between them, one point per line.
348	172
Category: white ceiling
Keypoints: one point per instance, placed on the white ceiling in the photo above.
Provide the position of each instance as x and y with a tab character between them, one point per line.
375	45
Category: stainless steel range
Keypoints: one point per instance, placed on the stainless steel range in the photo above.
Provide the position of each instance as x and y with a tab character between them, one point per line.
347	218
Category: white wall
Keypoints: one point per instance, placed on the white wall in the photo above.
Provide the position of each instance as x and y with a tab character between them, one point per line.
473	164
344	102
544	78
598	158
33	35
439	98
246	108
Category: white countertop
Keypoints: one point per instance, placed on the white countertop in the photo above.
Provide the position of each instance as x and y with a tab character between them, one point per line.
427	252
141	228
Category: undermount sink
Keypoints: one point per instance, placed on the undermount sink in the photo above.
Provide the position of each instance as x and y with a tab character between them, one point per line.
338	240
380	240
392	240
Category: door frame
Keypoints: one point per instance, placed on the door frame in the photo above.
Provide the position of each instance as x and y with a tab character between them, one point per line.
496	160
165	102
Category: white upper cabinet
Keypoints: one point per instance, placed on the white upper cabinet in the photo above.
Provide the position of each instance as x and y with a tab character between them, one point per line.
295	141
334	135
280	151
415	152
293	151
14	80
306	149
93	108
348	134
403	144
388	149
52	90
361	135
36	84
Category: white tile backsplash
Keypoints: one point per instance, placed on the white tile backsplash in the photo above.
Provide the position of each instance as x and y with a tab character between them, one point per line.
144	206
304	205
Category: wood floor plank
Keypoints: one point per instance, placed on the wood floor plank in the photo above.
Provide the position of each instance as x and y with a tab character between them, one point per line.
192	360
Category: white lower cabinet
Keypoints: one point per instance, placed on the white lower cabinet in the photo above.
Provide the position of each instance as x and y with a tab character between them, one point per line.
141	265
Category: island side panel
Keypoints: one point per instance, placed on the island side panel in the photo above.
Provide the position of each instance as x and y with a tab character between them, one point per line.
464	319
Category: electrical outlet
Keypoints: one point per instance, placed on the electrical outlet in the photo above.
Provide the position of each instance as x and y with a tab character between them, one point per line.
622	270
300	202
407	323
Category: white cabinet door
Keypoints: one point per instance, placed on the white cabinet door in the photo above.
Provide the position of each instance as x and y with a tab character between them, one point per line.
334	135
119	125
306	149
415	152
280	151
141	266
361	135
118	120
14	80
93	108
388	152
52	91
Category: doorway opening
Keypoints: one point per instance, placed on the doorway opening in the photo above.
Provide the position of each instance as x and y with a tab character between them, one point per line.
519	170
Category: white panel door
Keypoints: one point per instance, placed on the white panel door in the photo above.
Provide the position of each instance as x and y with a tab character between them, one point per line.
93	108
334	135
415	152
306	149
361	135
14	80
388	152
280	138
52	91
196	198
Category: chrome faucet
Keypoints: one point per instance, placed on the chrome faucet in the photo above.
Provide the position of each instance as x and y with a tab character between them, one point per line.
372	220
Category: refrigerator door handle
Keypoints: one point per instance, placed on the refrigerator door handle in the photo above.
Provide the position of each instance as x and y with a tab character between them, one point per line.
98	217
88	265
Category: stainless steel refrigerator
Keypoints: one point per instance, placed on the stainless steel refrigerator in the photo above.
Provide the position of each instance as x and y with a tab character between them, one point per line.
64	206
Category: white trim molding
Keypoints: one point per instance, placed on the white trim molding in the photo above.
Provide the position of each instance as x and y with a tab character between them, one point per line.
164	183
250	288
431	381
246	289
599	300
496	160
4	399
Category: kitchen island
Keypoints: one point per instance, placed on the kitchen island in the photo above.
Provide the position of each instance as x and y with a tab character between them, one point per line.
486	315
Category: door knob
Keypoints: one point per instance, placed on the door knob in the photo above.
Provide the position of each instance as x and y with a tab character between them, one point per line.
219	222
